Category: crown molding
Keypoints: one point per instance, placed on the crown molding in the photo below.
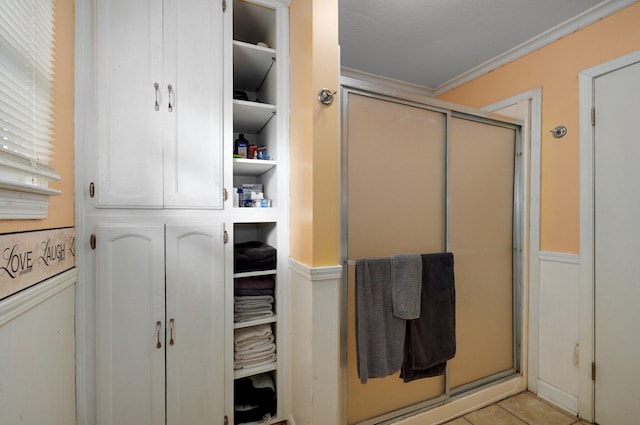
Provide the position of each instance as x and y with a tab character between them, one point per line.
562	30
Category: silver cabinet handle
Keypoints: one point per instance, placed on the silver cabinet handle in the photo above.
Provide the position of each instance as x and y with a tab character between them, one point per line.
158	328
171	340
170	107
156	86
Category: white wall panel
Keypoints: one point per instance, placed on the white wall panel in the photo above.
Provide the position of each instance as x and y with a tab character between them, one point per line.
558	350
37	354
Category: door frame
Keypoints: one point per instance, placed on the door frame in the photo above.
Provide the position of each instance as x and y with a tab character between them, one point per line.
532	135
586	386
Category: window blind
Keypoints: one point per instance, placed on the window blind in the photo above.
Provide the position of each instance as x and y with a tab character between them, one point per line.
26	78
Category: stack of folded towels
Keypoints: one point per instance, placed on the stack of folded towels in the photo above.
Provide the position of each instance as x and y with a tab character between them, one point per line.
254	298
254	347
255	399
253	256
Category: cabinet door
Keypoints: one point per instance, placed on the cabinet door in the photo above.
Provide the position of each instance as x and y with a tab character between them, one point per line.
193	68
195	330
129	130
130	325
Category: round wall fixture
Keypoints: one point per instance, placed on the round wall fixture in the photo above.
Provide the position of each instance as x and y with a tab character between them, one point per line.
559	131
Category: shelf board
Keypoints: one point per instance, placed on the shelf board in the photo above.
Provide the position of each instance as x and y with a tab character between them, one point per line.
251	117
241	325
254	274
251	64
243	373
251	167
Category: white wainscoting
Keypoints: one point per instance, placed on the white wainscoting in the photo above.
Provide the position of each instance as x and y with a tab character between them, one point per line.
315	344
558	344
37	354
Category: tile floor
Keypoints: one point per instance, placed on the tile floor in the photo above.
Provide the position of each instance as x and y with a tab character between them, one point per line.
522	409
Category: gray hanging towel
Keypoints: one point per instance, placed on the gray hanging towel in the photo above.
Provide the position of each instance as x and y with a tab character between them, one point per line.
431	340
379	334
406	285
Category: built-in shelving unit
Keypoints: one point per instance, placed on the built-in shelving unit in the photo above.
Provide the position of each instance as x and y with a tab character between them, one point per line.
259	109
255	103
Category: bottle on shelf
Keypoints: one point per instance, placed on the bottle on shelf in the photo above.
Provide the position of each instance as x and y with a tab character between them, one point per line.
241	146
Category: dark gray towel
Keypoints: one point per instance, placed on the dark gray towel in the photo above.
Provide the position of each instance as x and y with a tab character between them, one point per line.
406	285
379	334
431	340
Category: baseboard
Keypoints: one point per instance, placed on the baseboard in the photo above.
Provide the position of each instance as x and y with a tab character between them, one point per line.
558	397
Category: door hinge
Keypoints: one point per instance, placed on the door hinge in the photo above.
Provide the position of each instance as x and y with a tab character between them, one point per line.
92	189
593	116
593	371
92	241
225	194
225	237
224	6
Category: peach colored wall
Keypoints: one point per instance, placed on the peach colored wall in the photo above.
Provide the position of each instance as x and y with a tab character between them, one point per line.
556	68
314	56
61	208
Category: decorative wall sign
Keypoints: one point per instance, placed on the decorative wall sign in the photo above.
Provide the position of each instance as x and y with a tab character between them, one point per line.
31	257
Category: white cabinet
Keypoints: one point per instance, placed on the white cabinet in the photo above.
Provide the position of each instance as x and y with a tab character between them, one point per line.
159	103
159	333
161	271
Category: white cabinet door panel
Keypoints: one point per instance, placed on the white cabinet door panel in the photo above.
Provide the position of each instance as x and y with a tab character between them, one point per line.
130	325
193	67
129	131
195	318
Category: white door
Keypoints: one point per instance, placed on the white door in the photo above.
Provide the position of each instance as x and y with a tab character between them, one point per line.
130	325
617	237
129	131
193	138
195	324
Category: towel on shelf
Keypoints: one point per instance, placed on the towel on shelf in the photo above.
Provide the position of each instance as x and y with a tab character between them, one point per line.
431	340
254	346
255	352
378	332
254	399
255	282
253	256
242	336
252	303
264	360
254	342
240	292
247	308
406	285
250	316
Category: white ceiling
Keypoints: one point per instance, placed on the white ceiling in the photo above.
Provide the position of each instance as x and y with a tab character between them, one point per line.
431	42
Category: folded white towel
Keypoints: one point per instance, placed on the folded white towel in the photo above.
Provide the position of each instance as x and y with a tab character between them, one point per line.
247	334
267	359
255	342
255	353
